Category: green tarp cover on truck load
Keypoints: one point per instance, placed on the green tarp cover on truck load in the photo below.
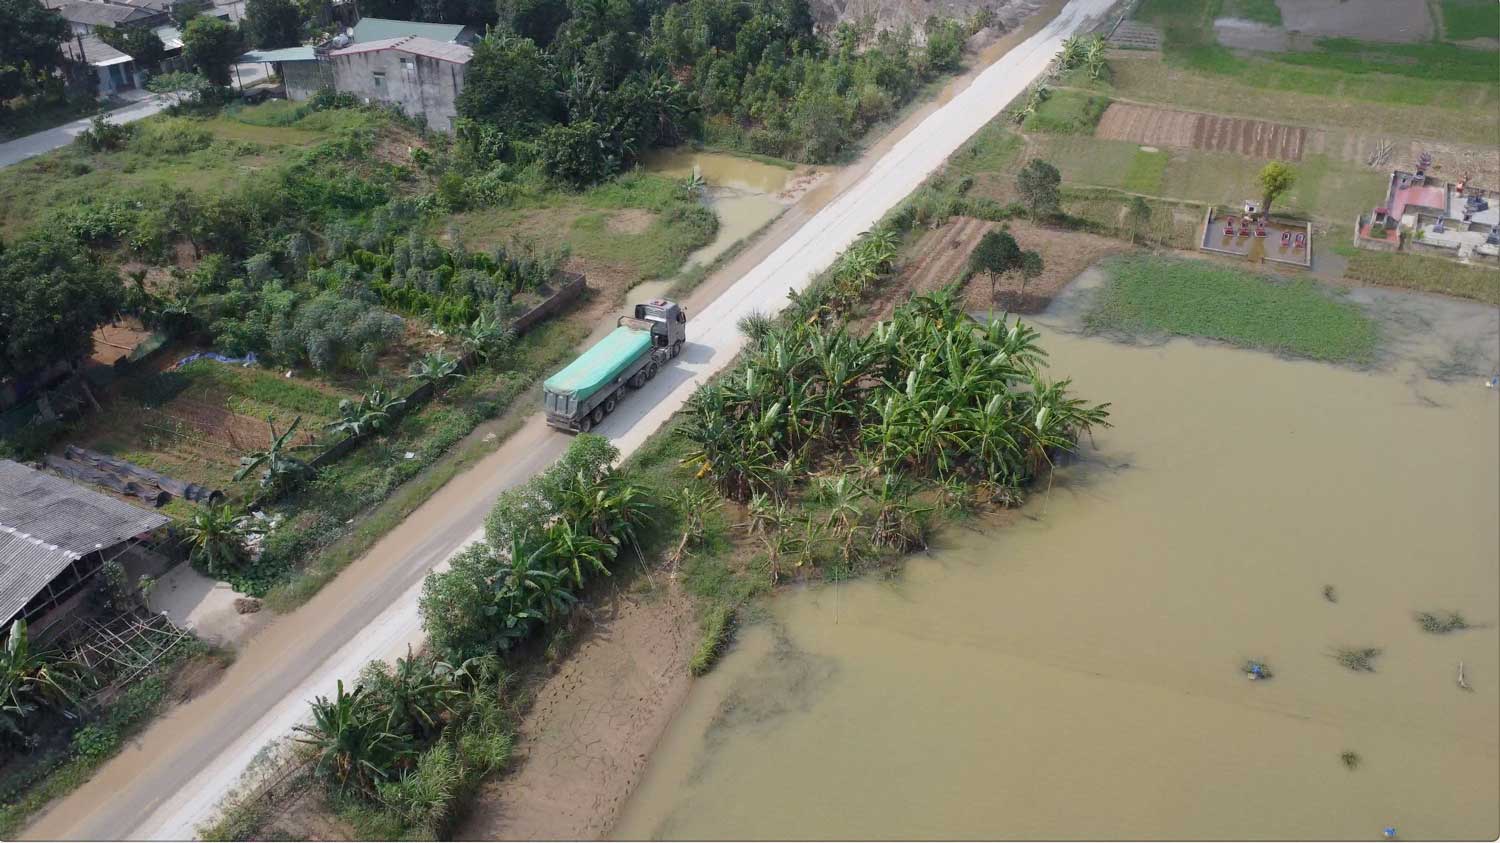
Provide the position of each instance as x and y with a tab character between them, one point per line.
599	365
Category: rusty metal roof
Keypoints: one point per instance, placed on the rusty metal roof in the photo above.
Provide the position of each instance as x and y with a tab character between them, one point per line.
46	523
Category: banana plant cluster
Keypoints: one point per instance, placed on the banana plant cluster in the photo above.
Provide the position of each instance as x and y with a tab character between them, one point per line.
931	393
1086	52
544	541
374	732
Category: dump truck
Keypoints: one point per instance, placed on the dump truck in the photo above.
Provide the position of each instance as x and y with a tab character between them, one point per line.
587	390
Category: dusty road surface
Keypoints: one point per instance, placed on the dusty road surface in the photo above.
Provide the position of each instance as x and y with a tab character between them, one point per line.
172	778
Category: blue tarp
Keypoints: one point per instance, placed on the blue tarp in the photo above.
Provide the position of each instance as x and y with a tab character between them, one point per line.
247	360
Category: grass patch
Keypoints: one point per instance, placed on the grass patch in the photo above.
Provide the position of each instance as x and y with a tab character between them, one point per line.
1465	19
718	629
1169	296
1146	171
1428	274
993	149
1431	60
1068	113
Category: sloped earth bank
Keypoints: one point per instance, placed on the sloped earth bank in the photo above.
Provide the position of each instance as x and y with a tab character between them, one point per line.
1077	673
586	739
172	779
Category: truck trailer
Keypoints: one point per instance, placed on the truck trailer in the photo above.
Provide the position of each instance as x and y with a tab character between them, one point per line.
587	390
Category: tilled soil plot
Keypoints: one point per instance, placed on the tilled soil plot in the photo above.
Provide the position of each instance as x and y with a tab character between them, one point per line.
1150	126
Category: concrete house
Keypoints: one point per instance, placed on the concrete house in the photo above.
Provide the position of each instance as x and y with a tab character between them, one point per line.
114	71
420	76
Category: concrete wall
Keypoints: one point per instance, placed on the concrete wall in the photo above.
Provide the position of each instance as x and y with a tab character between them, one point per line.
416	84
305	78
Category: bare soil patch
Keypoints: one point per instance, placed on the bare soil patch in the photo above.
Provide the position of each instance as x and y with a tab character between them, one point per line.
938	259
1195	130
630	221
585	741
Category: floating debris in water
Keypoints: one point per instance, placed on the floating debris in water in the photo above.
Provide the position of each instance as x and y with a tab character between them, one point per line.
1351	759
1462	682
1441	623
1256	671
1390	832
1358	659
1329	594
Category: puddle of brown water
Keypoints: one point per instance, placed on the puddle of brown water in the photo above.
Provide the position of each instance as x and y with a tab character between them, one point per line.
1076	673
741	191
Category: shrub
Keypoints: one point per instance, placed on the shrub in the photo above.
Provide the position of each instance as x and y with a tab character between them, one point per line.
169	136
95	743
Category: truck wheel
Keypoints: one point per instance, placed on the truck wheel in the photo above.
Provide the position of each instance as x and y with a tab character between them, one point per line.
609	405
597	415
676	349
584	424
637	381
651	370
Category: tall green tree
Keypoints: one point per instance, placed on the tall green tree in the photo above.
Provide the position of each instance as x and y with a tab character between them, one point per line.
30	39
272	24
1039	185
1273	180
52	297
509	84
996	254
213	46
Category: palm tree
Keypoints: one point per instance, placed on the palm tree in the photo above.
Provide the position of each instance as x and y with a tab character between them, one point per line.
280	466
31	680
215	536
354	743
435	368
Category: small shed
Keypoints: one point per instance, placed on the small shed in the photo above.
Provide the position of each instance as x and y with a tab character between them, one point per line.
302	75
54	538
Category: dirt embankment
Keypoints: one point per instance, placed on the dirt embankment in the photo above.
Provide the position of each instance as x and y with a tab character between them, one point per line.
586	739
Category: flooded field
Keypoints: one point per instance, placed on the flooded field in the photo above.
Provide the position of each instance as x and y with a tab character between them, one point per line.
742	192
1076	672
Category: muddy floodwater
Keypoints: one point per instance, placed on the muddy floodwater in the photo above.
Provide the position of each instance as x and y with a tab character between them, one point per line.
741	191
1076	671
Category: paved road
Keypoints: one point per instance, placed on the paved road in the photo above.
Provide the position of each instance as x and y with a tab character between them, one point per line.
15	151
173	777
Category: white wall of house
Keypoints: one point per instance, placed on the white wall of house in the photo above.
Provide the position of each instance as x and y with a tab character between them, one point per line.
418	85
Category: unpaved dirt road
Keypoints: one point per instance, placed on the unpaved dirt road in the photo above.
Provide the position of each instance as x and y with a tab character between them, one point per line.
172	777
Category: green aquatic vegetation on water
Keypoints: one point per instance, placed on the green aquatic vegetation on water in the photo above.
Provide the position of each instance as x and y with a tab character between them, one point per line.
1149	295
1441	623
1357	659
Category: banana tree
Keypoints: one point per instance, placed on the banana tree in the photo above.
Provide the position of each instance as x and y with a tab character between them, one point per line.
215	537
575	550
353	742
435	368
33	679
279	466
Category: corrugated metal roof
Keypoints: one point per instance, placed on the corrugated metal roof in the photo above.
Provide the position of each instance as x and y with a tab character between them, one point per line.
108	14
283	54
47	522
456	53
381	29
98	53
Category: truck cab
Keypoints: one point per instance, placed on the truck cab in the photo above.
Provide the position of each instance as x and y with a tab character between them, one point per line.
667	322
